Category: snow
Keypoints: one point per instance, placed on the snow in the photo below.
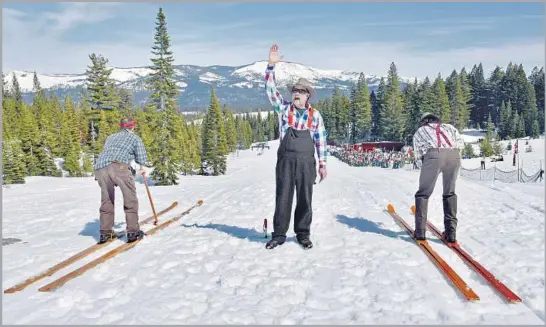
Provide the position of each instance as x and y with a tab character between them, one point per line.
127	74
47	81
288	72
210	77
26	80
531	162
472	135
247	85
212	266
181	84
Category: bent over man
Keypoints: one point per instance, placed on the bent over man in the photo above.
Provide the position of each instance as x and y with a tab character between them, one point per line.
301	133
438	146
113	169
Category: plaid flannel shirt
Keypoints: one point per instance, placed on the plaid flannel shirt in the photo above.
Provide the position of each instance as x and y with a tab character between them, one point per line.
425	139
123	147
282	107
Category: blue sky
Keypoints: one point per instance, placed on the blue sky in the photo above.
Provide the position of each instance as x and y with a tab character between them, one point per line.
423	39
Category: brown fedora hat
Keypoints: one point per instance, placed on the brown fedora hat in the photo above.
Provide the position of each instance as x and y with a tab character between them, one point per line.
304	84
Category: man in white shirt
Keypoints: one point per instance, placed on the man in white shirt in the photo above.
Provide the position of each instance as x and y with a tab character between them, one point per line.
438	147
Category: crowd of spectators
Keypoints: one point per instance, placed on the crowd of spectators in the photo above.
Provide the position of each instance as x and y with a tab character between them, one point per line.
373	158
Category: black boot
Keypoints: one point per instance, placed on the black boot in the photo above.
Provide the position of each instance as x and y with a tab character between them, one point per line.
305	242
420	234
133	236
450	236
274	242
106	236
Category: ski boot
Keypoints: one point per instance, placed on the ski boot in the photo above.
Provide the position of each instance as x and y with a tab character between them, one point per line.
106	236
449	238
420	235
274	242
133	236
306	243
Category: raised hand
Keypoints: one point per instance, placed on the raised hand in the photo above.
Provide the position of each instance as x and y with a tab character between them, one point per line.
274	55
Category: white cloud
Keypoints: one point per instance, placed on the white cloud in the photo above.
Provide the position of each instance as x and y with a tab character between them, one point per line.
26	48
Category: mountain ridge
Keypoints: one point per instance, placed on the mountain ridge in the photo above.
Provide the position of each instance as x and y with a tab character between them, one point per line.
239	87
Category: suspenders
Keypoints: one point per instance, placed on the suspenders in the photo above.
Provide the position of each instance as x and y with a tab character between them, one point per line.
438	133
309	117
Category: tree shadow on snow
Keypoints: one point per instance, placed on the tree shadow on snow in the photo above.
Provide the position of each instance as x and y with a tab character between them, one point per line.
368	226
240	232
92	228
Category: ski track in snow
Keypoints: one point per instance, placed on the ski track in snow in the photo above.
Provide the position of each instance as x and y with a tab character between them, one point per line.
212	266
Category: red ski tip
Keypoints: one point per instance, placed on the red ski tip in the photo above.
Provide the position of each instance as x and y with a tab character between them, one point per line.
390	208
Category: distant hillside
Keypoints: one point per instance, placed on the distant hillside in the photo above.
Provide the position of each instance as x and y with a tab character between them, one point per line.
241	88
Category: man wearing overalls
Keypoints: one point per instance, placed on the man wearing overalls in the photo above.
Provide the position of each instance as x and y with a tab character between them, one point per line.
302	134
438	146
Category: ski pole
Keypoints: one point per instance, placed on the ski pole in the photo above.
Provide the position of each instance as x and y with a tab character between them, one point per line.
265	227
150	197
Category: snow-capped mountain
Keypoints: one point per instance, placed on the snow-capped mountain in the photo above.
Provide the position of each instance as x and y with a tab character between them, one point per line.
239	87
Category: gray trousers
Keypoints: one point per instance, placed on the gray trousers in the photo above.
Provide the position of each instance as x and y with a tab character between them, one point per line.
436	161
109	177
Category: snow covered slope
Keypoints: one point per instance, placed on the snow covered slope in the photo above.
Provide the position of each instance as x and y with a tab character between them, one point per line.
212	266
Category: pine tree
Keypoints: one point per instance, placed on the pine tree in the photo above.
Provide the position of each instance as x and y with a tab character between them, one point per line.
231	133
377	99
210	145
13	162
337	115
426	96
36	83
56	111
485	146
494	98
168	137
361	110
531	110
375	115
16	90
5	91
442	107
459	108
537	80
195	148
101	95
504	121
71	146
29	135
412	110
327	116
220	163
344	117
392	111
466	98
479	95
125	103
514	124
468	150
521	127
9	124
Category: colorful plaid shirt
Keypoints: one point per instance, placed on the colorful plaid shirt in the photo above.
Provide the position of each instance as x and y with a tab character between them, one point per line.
425	139
123	147
282	107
